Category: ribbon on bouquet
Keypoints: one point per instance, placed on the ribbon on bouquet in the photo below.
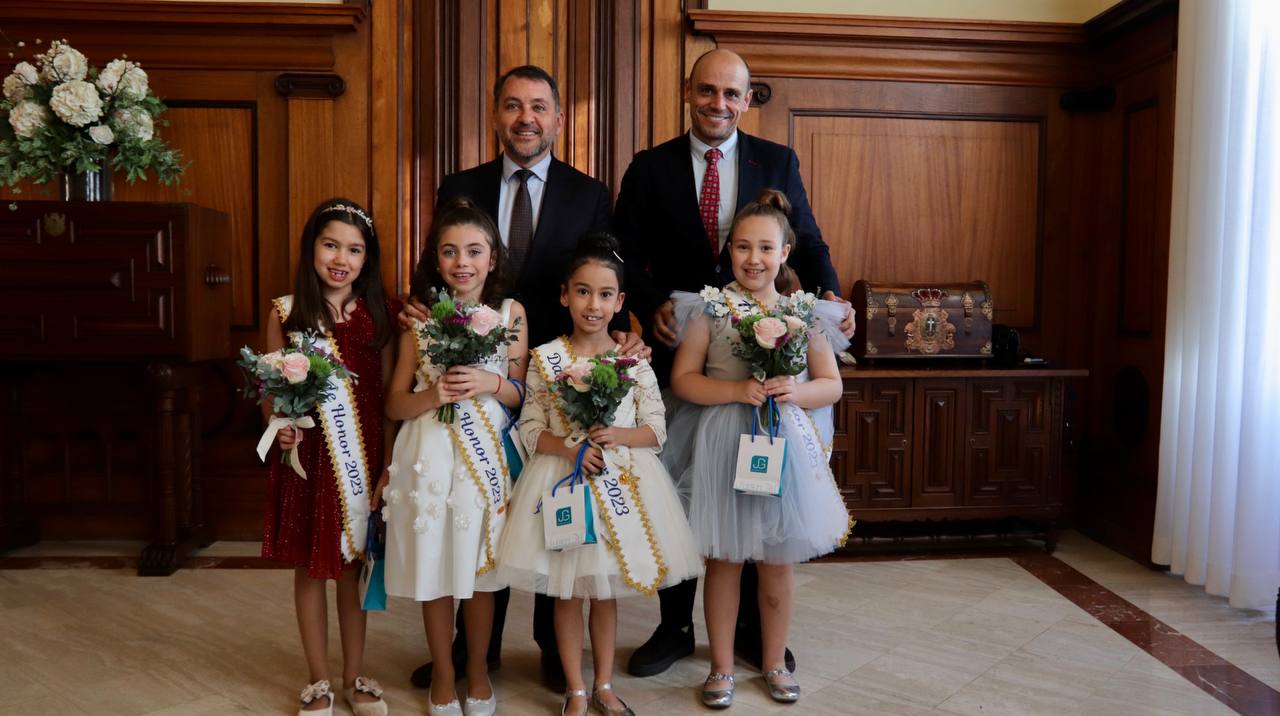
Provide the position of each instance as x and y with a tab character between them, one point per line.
274	427
771	426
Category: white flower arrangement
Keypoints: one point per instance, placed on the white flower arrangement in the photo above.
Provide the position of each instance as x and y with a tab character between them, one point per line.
60	114
716	305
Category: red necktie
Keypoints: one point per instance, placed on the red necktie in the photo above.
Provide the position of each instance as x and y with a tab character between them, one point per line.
709	201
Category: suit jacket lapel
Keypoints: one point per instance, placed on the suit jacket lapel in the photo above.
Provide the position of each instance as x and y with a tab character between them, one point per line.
552	192
490	184
750	175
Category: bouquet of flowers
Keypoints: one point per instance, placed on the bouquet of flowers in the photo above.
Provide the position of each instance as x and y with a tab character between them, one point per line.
62	115
776	342
591	389
462	333
295	380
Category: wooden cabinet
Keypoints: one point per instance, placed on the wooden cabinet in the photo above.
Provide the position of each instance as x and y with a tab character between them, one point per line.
111	309
928	444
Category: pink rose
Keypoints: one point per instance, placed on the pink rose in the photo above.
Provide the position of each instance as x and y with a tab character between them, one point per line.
795	325
273	360
768	331
294	367
483	320
577	374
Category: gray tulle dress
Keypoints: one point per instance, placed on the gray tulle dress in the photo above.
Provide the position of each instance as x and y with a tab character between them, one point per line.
809	518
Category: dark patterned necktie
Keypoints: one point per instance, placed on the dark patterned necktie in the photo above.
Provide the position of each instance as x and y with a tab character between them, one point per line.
520	234
709	200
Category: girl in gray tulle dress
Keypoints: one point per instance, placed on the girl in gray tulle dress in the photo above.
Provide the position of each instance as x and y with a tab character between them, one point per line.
808	518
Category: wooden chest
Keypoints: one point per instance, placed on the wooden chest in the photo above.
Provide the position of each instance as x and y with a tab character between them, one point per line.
919	320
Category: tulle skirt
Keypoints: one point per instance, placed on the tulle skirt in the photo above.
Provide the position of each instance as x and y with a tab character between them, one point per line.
591	571
807	520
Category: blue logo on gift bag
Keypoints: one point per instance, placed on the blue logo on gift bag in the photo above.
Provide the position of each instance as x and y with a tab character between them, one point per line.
759	463
564	516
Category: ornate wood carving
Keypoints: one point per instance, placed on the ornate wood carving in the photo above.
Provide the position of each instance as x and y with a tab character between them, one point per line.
939	439
877	467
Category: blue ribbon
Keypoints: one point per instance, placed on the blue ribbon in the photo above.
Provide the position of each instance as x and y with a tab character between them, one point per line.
512	416
574	478
772	429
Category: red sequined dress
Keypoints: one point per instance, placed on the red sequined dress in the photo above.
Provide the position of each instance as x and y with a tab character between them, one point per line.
304	516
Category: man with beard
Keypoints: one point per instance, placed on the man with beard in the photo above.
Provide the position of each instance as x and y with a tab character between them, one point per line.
542	206
678	200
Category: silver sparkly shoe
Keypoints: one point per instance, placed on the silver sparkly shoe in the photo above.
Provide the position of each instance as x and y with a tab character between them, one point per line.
564	710
603	708
718	698
784	693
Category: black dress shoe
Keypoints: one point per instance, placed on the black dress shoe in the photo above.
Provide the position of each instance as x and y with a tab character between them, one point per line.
667	646
553	672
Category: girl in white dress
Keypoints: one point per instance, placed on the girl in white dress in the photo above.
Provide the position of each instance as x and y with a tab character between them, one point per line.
446	503
809	518
643	540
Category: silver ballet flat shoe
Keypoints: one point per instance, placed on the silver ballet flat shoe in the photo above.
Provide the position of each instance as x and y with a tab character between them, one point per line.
564	710
318	690
603	708
718	698
784	693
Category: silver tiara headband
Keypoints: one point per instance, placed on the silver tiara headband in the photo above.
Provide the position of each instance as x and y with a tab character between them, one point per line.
351	210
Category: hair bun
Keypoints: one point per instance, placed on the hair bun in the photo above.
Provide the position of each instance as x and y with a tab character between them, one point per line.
776	199
461	202
598	243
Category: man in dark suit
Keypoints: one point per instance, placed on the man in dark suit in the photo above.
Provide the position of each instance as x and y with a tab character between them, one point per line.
673	216
542	206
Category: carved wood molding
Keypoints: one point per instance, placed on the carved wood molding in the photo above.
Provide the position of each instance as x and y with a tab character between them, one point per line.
185	35
858	47
859	29
297	85
258	16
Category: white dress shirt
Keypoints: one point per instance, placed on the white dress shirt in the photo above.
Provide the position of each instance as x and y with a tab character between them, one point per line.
510	185
728	169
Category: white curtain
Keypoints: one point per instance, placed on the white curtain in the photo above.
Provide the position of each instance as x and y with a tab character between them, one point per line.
1218	507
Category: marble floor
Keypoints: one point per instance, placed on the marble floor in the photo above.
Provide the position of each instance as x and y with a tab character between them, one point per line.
975	635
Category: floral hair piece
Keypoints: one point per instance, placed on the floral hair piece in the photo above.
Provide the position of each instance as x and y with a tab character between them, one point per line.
351	210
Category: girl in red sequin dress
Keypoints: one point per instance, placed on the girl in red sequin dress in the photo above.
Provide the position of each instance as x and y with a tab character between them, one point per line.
317	523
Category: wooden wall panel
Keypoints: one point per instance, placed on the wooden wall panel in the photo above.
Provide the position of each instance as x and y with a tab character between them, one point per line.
218	143
928	200
1141	220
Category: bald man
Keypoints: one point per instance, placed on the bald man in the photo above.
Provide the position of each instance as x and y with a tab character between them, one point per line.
673	216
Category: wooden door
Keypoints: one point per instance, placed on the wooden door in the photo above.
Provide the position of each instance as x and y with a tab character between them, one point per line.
1010	438
939	433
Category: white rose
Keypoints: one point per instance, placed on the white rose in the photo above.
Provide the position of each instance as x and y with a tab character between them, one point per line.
134	122
125	76
102	134
77	103
27	72
64	63
15	88
28	118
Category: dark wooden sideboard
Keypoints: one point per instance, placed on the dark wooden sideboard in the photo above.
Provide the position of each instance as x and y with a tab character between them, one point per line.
931	446
112	307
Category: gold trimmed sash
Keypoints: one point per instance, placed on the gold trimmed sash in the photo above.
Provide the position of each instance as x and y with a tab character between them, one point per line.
627	528
340	421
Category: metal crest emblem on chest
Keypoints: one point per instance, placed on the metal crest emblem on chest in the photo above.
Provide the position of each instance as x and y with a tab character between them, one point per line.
54	223
930	330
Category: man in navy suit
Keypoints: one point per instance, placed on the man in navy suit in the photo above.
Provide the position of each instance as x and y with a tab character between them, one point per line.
673	215
542	206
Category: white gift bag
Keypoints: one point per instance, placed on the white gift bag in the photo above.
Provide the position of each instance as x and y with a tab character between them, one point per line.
567	516
760	458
